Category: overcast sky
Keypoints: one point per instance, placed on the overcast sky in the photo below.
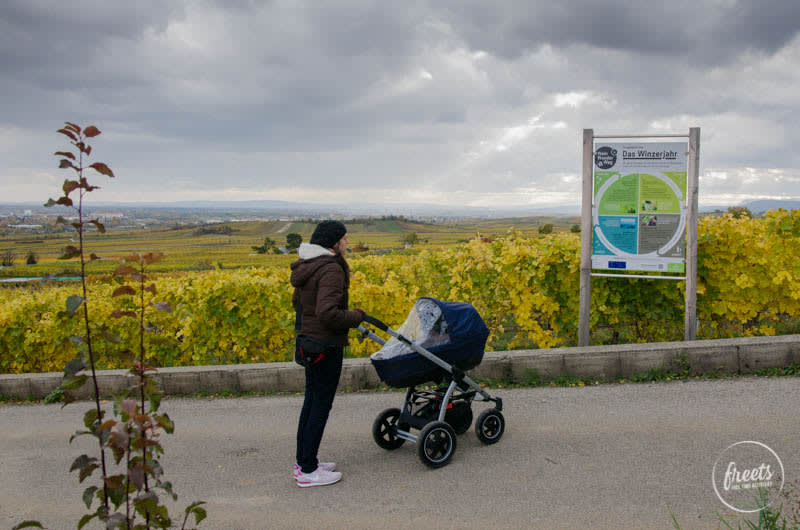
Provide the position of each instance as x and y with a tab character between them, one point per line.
448	101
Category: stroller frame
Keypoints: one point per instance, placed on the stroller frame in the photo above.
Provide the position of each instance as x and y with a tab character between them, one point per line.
429	410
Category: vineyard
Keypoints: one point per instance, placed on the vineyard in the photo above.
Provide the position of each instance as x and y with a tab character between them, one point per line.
525	287
230	245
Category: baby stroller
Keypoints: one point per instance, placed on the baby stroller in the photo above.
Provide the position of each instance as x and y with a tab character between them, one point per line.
437	343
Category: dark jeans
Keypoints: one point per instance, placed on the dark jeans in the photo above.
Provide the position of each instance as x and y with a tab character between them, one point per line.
321	382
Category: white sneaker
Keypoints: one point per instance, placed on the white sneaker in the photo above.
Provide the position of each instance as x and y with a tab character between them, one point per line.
319	477
327	466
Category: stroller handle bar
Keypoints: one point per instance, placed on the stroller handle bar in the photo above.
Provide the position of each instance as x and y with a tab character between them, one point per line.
375	322
365	333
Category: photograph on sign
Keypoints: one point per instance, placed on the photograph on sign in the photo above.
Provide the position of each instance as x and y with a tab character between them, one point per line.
639	208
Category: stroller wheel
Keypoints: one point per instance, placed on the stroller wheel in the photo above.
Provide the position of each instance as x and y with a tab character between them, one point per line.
436	444
490	426
384	430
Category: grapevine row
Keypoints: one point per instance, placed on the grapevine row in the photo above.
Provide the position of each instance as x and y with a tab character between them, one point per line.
525	288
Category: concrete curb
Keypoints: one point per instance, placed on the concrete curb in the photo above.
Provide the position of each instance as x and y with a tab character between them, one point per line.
604	363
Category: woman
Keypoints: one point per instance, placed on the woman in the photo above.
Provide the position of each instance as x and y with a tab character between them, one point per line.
321	278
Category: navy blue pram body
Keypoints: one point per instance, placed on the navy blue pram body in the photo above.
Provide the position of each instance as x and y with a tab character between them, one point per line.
456	334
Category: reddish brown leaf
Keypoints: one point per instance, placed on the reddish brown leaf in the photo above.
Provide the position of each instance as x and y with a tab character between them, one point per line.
136	475
115	482
129	406
72	127
85	148
118	437
49	203
67	132
70	186
94	257
65	164
102	169
88	150
152	257
123	290
91	131
151	288
141	443
77	226
64	201
65	153
107	425
133	258
100	226
124	270
85	185
119	313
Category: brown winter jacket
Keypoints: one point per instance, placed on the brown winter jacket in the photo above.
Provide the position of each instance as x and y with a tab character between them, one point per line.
321	280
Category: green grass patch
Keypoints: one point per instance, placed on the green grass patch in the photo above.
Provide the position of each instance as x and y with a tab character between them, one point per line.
770	517
566	381
653	375
791	370
54	396
532	379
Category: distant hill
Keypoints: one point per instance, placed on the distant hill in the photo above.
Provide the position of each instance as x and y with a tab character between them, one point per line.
374	209
761	206
354	208
304	209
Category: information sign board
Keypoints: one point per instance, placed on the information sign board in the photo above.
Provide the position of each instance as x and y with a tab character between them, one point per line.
639	208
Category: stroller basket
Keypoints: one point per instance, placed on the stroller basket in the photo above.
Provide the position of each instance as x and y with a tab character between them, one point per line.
452	331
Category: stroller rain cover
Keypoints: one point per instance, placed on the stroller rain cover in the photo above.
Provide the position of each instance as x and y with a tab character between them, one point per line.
453	331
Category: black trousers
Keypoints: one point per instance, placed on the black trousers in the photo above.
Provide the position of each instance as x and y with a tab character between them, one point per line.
322	379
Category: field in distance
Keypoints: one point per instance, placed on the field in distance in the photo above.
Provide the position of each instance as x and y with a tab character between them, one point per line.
230	244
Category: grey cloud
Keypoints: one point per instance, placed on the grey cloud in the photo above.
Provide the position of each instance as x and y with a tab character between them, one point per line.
367	93
38	35
702	32
761	25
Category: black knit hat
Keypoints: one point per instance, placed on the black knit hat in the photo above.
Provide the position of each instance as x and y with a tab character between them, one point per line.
328	233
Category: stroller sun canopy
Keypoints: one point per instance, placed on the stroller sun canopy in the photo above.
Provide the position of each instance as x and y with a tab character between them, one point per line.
453	331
